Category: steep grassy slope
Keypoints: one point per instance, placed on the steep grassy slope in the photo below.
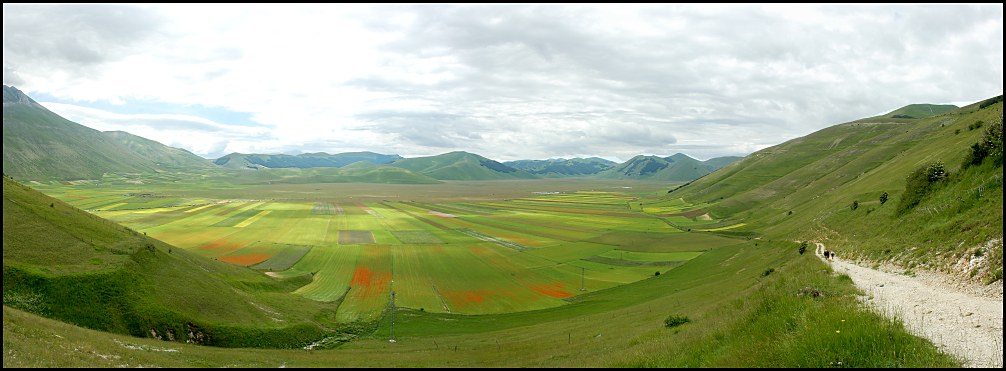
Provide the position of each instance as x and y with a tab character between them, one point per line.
304	160
461	166
159	154
805	188
66	264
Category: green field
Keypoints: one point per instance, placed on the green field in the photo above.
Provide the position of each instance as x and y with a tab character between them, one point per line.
517	252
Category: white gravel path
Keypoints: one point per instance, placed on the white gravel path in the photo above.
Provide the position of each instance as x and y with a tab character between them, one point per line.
965	325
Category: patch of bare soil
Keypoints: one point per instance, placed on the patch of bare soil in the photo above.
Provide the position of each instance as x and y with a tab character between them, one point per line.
964	323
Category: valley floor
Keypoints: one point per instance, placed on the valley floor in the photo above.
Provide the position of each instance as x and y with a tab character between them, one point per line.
963	324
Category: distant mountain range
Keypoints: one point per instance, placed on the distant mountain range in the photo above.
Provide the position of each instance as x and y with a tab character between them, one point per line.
561	167
461	166
304	160
678	167
40	145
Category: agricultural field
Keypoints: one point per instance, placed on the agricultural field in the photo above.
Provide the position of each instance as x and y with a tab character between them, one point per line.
510	248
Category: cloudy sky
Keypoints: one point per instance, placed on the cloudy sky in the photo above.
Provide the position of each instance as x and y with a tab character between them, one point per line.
504	81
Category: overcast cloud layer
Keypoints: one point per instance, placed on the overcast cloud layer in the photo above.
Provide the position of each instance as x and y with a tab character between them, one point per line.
504	81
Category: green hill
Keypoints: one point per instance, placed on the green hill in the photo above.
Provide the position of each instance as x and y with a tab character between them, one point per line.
678	167
66	264
920	111
910	113
828	185
561	167
461	166
40	145
304	160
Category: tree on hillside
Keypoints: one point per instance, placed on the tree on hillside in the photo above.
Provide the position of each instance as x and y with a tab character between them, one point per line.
883	198
919	182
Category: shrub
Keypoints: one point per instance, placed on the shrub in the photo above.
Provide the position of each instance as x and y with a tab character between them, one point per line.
803	247
919	182
990	101
855	205
767	272
883	198
675	320
990	146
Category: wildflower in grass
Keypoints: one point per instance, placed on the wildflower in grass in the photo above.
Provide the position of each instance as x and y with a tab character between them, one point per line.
838	331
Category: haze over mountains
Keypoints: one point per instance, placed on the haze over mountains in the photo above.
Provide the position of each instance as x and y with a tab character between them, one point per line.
39	144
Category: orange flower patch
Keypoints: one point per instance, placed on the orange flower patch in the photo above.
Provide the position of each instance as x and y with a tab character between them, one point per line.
245	260
366	283
554	290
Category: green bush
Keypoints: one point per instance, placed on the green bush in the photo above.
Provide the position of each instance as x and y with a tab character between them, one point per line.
675	320
990	146
918	184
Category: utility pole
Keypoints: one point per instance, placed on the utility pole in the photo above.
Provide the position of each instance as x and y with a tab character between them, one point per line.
392	339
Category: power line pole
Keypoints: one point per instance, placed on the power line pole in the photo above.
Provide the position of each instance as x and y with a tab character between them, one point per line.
392	338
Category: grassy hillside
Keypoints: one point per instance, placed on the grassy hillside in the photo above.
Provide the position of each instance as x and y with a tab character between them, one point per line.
562	167
461	166
919	111
806	188
304	160
62	263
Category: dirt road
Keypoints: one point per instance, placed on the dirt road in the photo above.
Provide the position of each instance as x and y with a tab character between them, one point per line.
968	326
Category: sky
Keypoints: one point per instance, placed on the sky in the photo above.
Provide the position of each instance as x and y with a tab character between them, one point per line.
509	82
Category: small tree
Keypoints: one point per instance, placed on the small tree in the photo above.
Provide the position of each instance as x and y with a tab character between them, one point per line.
803	247
855	205
883	198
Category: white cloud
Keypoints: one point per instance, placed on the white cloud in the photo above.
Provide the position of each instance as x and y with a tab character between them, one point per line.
504	81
